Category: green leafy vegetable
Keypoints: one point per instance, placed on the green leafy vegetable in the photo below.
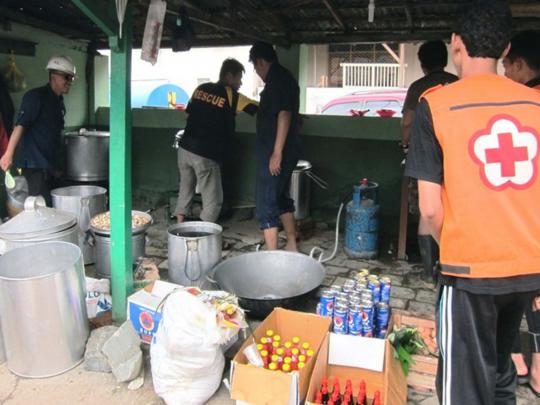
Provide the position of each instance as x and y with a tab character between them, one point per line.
405	341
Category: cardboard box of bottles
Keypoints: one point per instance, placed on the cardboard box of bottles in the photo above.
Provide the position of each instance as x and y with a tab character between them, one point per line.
259	386
390	382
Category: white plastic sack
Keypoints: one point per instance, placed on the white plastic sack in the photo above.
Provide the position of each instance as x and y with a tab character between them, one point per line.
187	361
153	30
98	296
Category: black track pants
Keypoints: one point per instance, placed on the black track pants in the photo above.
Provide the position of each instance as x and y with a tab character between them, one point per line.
475	336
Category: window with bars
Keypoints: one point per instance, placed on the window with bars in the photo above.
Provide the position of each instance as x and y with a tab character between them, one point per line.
355	53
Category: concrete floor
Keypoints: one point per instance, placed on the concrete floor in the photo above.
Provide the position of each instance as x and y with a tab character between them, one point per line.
82	387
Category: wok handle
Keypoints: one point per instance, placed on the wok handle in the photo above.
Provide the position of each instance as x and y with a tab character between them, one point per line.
314	250
210	279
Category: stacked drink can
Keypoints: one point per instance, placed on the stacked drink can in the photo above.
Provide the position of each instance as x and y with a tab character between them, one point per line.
360	307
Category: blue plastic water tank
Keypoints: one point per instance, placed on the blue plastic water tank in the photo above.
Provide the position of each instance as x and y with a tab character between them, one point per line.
362	226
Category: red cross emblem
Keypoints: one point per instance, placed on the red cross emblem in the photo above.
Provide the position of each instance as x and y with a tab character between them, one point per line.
506	152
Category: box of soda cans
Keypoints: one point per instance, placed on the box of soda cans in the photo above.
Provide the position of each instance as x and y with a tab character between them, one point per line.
361	313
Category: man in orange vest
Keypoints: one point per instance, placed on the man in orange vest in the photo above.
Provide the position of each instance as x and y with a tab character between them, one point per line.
522	64
475	151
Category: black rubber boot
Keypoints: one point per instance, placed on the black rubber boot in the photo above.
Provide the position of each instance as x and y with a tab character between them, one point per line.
429	251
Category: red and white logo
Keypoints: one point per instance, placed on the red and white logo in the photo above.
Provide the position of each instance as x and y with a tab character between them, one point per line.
506	152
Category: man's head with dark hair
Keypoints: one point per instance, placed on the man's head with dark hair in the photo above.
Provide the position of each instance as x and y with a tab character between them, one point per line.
231	66
433	55
262	55
522	62
526	45
485	28
231	73
262	50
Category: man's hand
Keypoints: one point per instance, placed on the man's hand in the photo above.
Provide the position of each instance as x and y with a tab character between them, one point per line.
6	161
275	164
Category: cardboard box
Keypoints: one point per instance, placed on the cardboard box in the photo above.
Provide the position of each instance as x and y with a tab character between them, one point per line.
390	382
259	386
142	308
356	351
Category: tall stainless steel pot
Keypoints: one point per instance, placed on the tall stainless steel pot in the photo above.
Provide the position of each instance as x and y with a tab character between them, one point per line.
87	155
83	202
194	249
42	302
37	224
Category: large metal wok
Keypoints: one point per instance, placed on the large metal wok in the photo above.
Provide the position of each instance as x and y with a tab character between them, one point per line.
267	279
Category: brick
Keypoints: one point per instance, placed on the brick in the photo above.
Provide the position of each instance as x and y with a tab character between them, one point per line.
403	292
428	296
94	359
425	364
421	309
398	303
421	382
335	270
124	353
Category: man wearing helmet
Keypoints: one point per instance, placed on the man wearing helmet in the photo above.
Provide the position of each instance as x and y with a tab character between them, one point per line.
38	129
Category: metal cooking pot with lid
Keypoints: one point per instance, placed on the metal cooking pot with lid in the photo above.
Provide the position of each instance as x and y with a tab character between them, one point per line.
37	223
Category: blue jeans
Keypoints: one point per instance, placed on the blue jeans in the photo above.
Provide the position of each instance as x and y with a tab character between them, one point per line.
272	193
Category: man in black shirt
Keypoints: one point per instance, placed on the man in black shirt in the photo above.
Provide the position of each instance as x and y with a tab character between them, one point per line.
277	145
433	58
522	64
210	127
37	133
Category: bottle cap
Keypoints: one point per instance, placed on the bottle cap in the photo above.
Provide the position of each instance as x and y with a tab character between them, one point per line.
287	360
272	366
260	347
296	340
280	351
310	353
270	332
287	345
275	358
305	345
286	368
264	340
277	338
301	365
264	353
275	344
301	358
295	351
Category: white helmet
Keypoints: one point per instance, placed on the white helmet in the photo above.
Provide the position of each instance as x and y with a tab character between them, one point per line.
61	64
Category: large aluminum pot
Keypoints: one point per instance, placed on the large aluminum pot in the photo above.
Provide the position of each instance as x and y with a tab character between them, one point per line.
87	155
267	279
83	202
42	302
300	189
194	249
37	224
102	241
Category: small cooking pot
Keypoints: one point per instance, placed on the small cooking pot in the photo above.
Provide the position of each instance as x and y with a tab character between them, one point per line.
268	279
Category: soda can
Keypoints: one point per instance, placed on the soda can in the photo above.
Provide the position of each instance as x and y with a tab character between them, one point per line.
342	294
367	325
361	283
367	295
335	287
386	289
327	302
341	325
355	320
383	315
350	282
362	273
348	289
375	287
342	301
372	277
381	333
354	299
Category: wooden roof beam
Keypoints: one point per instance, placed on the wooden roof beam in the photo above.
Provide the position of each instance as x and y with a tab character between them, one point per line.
335	13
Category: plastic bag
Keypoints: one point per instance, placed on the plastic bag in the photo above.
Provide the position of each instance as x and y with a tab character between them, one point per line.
187	361
153	30
14	78
98	296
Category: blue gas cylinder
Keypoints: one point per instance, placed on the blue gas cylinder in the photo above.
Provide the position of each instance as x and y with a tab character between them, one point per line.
362	227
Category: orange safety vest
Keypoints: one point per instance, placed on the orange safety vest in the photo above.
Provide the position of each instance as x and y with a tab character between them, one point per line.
489	130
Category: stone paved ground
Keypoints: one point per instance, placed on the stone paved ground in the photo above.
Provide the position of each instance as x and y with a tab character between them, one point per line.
409	293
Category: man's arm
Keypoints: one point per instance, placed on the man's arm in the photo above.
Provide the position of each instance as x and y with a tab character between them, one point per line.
406	124
431	207
283	125
7	159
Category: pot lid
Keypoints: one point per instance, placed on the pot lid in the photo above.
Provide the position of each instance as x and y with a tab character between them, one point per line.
36	220
303	165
